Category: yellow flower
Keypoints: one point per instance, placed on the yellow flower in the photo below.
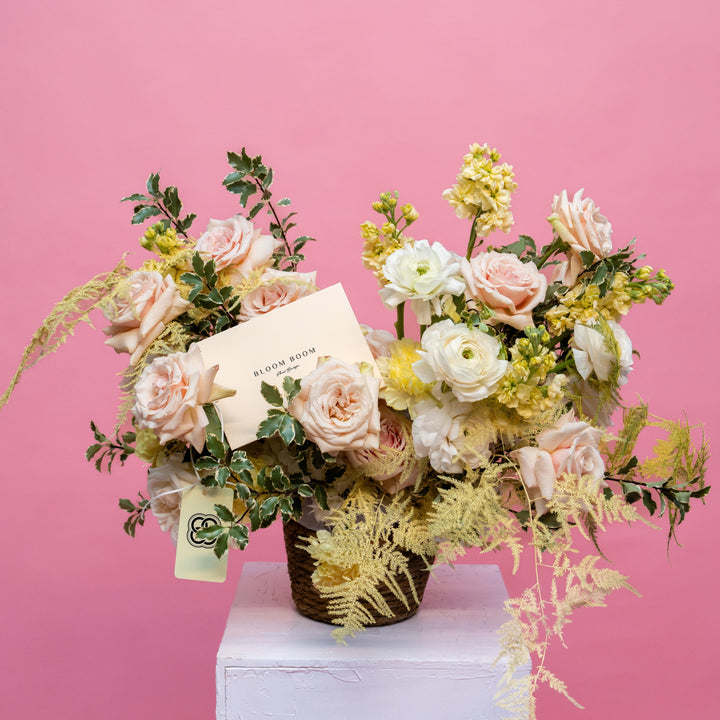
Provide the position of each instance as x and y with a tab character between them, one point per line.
403	388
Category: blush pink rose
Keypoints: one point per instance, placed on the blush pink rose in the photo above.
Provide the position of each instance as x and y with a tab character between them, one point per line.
392	463
278	288
165	487
169	396
507	285
141	312
379	341
236	243
569	446
338	407
581	225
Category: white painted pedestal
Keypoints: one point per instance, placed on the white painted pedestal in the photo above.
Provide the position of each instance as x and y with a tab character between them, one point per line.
275	663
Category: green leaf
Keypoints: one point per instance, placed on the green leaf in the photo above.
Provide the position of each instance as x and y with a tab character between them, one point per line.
587	257
172	201
287	429
321	497
206	463
214	438
240	534
242	163
144	213
240	462
269	427
198	265
702	492
305	490
153	185
271	394
256	209
648	502
210	532
126	504
221	545
224	514
629	465
631	491
268	509
135	197
92	451
242	491
284	201
222	474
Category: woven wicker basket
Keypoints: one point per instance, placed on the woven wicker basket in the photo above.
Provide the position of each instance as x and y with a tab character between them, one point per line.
310	603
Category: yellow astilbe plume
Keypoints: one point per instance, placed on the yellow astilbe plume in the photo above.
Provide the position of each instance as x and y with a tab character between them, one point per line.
60	324
362	554
469	513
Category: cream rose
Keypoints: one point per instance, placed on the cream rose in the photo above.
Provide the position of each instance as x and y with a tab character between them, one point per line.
393	463
169	396
439	435
581	225
338	407
379	341
165	485
608	358
236	243
141	312
569	446
422	274
278	288
510	287
466	359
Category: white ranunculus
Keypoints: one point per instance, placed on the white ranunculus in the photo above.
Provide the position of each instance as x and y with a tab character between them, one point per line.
434	430
465	358
422	274
602	356
165	485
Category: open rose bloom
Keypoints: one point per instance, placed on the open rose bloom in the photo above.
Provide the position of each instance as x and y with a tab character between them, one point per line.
484	416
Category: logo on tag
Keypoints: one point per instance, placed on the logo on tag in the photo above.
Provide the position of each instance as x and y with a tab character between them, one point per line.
196	523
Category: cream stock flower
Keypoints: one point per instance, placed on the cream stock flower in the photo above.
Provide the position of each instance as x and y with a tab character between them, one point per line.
510	287
277	289
165	485
236	243
139	314
581	225
338	407
169	396
422	274
464	358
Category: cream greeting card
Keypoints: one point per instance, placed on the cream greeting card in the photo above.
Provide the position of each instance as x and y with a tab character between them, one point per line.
286	341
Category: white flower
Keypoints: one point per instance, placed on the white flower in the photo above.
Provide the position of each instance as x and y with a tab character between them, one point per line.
165	485
465	358
422	274
608	358
439	435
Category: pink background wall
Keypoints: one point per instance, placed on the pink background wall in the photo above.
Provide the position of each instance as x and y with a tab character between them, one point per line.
344	101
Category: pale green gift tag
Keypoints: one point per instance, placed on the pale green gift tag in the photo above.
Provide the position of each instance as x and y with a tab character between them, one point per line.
195	559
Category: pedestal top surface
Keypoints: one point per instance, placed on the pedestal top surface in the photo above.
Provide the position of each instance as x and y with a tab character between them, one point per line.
456	624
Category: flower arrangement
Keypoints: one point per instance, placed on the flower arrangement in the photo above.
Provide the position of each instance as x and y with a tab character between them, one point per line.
488	425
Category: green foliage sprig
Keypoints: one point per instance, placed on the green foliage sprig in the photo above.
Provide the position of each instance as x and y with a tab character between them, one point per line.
160	202
250	177
107	450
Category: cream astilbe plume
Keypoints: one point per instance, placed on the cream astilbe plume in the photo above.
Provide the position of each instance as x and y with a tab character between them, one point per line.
60	324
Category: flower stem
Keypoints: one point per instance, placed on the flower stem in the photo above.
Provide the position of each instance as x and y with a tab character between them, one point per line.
400	322
473	236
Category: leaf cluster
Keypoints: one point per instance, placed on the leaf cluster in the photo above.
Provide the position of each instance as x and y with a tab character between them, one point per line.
159	201
221	303
137	513
106	450
251	177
